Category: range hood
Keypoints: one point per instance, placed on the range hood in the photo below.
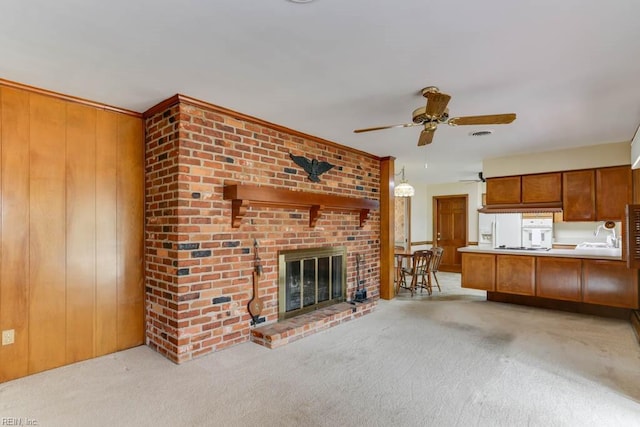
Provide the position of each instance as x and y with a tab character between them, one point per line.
522	208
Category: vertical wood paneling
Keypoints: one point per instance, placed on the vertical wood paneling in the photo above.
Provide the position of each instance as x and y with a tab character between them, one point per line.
14	274
130	190
106	232
80	231
71	234
47	247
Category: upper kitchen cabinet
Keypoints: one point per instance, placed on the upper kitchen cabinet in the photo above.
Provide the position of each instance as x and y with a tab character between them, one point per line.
613	192
584	195
596	194
542	188
504	190
524	191
579	195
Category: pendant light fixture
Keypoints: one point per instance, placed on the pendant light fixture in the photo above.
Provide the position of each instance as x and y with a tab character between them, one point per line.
404	189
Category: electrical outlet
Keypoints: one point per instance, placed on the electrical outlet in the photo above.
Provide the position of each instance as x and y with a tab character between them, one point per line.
8	336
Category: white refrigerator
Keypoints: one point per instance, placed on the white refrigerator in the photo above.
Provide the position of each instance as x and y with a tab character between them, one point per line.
495	230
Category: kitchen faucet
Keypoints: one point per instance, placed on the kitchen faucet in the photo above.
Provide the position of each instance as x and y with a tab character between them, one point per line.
612	241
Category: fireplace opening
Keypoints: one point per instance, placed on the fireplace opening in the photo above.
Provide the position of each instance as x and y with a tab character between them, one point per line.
309	279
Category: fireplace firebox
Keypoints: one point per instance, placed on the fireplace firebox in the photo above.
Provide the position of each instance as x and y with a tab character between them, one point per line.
309	279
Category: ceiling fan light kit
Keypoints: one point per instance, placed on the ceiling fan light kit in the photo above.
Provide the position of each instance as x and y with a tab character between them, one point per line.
436	112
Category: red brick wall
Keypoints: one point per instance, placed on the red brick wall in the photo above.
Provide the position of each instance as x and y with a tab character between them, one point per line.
161	232
198	267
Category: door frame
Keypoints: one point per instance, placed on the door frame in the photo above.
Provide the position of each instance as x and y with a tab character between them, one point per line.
435	211
407	223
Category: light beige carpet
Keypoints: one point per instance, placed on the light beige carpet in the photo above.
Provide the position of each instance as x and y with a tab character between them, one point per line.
453	359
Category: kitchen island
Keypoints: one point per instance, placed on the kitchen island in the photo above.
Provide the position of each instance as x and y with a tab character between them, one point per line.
593	281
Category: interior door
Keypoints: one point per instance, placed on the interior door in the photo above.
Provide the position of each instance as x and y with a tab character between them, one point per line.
450	229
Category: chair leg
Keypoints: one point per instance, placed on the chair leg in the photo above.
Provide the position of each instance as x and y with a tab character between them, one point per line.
428	283
437	283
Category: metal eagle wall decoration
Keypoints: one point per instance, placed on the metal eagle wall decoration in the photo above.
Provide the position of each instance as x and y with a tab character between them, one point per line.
313	167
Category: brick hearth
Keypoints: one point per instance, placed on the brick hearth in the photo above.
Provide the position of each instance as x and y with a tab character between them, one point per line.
290	330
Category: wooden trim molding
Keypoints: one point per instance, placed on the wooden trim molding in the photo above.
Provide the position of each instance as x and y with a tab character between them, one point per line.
242	196
70	98
430	242
554	304
635	323
523	208
182	99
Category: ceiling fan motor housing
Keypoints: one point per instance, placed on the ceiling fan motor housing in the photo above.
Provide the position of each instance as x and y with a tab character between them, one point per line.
420	117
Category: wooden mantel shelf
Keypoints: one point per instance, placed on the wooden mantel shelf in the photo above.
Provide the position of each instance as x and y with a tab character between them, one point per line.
243	195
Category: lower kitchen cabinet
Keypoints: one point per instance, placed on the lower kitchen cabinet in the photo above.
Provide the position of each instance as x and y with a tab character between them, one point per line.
580	280
516	274
559	278
610	283
479	271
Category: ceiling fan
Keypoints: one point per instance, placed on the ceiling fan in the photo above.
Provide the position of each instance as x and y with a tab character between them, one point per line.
480	178
436	112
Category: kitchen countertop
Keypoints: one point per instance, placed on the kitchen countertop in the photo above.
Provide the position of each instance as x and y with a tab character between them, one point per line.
607	254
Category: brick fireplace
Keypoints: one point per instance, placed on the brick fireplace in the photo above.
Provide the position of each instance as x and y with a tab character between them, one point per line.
198	264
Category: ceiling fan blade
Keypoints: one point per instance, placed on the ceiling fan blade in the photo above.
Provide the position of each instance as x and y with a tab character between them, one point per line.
491	119
404	125
426	137
436	103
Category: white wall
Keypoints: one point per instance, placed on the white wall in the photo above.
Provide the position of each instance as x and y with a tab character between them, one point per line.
573	233
592	156
418	218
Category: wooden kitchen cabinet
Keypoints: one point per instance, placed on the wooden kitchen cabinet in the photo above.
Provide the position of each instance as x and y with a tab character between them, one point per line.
515	274
609	283
504	190
579	195
479	271
542	188
559	278
613	192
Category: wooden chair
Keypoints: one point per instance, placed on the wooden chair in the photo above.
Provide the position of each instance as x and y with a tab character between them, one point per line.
399	260
435	264
418	271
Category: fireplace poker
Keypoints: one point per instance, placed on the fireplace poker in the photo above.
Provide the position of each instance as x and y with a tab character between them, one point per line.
361	293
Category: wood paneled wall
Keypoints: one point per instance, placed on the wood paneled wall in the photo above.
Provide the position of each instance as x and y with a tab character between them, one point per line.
71	211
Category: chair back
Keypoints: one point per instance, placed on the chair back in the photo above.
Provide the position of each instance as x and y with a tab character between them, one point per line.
421	261
437	257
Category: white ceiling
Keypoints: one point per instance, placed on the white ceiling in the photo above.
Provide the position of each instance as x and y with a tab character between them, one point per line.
570	69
